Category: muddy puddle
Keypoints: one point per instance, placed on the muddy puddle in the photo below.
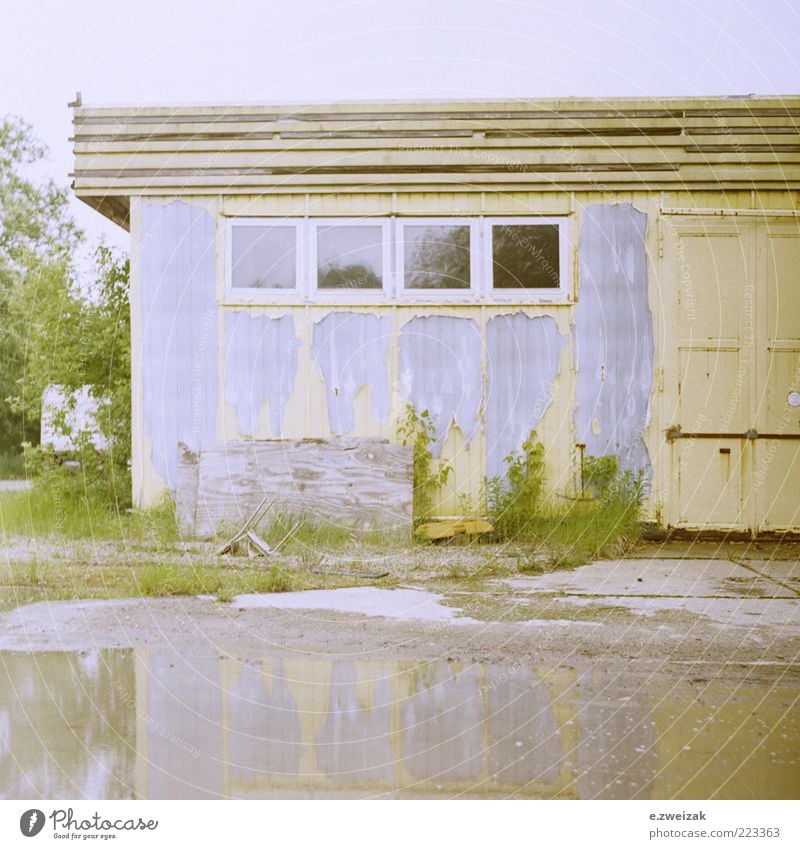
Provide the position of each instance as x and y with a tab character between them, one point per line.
155	724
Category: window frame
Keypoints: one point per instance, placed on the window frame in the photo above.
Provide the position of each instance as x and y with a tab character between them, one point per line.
539	294
481	289
268	294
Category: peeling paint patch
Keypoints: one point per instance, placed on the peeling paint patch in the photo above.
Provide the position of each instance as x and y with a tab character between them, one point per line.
260	365
350	349
524	355
613	335
179	319
440	371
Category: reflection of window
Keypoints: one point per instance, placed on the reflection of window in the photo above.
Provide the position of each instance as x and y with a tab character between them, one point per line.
436	256
350	256
264	256
525	256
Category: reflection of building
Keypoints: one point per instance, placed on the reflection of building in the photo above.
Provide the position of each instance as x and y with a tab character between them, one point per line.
154	724
620	275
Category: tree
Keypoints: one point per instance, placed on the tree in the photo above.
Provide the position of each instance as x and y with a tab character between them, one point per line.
77	338
37	236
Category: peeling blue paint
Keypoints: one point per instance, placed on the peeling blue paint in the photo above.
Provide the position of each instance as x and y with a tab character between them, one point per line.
524	355
260	364
350	349
440	371
179	324
613	335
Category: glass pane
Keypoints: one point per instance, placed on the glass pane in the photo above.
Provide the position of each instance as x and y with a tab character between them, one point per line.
436	257
350	257
525	256
264	257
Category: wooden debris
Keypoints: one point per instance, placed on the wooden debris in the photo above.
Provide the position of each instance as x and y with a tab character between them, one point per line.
371	575
232	544
259	545
448	528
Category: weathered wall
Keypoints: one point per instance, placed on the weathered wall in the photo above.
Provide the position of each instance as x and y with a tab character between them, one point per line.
261	355
178	321
613	335
523	363
350	350
488	374
440	371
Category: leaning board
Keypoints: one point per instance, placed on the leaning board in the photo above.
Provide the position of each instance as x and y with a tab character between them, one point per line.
362	483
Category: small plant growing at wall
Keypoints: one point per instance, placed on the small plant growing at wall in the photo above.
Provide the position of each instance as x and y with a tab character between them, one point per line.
598	474
418	430
514	501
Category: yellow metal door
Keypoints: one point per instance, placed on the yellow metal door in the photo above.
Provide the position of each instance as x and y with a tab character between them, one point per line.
776	473
732	372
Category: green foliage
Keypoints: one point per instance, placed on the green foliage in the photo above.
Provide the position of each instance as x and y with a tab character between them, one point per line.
598	473
82	338
515	501
418	430
36	232
569	534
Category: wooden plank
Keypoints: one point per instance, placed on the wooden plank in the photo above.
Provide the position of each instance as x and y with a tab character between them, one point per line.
472	160
362	483
509	145
575	125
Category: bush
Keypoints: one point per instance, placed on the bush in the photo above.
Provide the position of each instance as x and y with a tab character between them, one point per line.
604	525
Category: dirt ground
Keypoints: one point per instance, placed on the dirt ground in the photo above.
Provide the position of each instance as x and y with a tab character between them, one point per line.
701	611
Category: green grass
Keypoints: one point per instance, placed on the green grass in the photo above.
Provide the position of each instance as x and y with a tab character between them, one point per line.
125	577
72	510
581	531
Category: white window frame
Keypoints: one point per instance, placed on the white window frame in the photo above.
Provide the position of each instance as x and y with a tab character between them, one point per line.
481	288
253	294
537	295
318	295
425	295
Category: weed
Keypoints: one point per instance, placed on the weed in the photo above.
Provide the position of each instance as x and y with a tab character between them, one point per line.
514	502
417	429
607	525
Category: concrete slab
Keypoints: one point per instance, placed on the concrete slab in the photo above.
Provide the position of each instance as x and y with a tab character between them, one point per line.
782	615
786	572
657	577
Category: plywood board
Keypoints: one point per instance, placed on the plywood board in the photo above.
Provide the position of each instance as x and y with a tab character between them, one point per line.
362	483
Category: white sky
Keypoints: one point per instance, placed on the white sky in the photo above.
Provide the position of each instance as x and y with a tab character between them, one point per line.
145	52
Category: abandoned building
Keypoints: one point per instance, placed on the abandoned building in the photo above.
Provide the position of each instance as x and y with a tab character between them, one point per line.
621	276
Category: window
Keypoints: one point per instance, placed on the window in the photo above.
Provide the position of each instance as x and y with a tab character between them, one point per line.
351	256
264	256
343	260
435	255
525	256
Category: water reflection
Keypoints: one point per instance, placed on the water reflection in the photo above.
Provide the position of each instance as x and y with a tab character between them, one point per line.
115	724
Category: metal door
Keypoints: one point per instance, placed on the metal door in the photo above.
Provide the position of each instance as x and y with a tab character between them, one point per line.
732	303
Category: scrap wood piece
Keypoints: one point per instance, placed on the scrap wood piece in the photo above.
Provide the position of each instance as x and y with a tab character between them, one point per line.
259	545
348	574
447	528
254	519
